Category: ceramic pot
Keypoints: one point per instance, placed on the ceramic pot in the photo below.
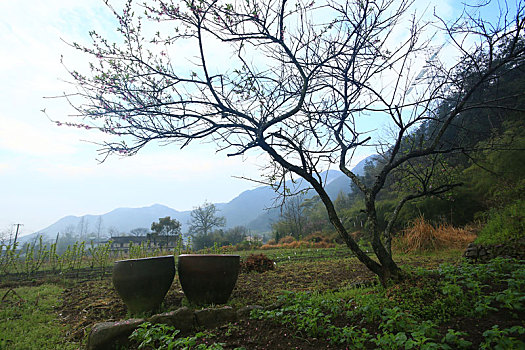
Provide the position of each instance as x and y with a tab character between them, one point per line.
208	278
143	283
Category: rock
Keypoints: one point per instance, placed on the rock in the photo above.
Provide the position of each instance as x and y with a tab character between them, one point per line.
274	306
211	318
482	252
182	319
471	251
245	311
514	248
104	335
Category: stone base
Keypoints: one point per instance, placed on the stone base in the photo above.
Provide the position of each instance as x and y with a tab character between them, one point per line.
512	249
106	335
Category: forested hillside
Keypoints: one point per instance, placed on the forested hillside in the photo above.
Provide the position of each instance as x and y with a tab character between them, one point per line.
477	179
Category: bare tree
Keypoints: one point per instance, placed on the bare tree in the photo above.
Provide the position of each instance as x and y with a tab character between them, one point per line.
139	231
5	236
113	231
99	226
299	81
204	218
293	219
82	228
69	231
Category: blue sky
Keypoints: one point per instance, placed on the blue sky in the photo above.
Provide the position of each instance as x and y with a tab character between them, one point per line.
47	172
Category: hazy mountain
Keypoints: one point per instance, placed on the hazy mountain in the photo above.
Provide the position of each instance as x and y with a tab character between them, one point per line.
335	183
359	169
342	183
115	222
255	209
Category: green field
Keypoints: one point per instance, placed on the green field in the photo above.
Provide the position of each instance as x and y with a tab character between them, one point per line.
325	299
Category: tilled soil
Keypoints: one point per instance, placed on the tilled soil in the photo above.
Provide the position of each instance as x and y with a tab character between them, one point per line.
93	301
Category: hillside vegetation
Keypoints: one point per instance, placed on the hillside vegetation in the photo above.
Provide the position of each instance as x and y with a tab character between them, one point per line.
485	173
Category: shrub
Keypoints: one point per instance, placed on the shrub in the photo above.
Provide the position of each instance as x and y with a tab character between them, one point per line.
319	237
286	239
323	245
248	245
258	263
291	245
505	224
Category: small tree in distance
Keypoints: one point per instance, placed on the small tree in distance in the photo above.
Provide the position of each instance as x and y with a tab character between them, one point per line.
301	78
139	231
204	219
5	236
166	227
293	219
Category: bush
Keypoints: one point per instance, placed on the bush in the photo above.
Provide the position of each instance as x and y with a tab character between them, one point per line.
258	263
287	239
318	237
505	224
248	245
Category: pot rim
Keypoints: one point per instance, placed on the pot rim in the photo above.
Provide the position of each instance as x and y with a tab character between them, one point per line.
210	255
147	258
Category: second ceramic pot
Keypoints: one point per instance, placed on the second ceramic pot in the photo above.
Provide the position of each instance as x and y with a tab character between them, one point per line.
143	283
208	278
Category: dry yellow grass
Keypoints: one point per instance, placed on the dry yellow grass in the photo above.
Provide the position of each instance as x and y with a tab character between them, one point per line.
423	236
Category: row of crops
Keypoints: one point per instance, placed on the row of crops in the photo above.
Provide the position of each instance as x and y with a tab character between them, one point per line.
41	257
44	258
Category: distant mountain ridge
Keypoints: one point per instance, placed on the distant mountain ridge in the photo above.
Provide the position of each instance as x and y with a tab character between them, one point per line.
250	209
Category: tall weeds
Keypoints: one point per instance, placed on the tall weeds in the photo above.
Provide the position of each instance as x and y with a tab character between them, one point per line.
423	236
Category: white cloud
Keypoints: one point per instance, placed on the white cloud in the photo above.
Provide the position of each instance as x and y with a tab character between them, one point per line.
164	164
4	168
22	137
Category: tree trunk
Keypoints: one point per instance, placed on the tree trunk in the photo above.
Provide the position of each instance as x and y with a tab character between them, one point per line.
390	271
386	269
379	269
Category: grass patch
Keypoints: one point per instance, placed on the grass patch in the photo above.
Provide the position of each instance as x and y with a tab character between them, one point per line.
28	319
505	224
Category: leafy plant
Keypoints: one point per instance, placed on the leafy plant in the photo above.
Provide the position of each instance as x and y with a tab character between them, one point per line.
54	258
161	336
394	319
456	339
100	255
407	315
137	251
74	255
151	335
34	257
497	339
9	255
